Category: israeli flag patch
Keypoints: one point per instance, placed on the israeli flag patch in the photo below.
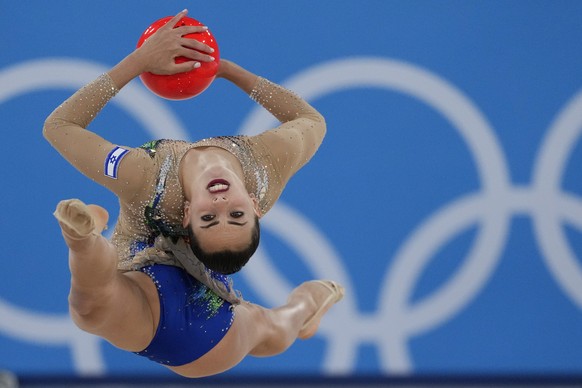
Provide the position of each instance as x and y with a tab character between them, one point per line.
112	161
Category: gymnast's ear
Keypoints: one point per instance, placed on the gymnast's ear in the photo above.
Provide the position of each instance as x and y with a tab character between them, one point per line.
186	220
256	206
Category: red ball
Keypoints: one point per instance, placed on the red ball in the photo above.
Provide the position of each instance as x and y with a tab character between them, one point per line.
185	85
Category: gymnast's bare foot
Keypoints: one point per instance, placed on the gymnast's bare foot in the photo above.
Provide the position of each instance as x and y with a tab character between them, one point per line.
79	221
325	293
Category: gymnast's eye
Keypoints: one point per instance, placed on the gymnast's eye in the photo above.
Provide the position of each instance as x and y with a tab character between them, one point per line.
237	214
207	217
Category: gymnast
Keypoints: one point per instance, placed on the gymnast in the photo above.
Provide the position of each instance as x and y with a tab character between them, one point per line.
144	291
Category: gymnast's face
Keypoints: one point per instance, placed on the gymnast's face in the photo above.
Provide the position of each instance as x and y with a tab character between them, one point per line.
221	212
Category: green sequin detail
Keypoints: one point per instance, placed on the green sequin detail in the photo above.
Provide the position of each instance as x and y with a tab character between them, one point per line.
207	300
150	147
213	303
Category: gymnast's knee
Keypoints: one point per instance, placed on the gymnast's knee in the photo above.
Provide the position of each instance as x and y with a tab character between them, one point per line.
87	309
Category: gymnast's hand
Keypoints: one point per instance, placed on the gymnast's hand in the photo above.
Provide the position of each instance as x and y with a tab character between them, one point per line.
158	53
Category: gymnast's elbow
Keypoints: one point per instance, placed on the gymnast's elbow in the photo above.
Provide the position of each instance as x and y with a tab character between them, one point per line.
319	125
52	129
48	128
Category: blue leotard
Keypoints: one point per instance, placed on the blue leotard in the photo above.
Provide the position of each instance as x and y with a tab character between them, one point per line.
193	319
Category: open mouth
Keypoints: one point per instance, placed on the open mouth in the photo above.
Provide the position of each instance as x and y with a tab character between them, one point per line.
218	186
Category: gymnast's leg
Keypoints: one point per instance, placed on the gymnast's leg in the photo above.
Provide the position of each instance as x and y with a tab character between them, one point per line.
121	308
265	332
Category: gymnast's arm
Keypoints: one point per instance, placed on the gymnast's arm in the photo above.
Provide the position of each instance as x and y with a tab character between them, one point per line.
66	130
302	129
66	126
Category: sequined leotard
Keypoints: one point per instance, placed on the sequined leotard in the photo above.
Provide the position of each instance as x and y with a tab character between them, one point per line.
268	160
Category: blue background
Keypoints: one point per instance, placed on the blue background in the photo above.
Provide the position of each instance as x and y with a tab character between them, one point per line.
389	163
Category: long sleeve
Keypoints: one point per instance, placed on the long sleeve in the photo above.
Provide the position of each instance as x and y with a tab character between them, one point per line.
282	151
92	155
302	129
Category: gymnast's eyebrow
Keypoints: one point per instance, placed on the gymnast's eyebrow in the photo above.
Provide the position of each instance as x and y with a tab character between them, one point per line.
237	223
217	222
